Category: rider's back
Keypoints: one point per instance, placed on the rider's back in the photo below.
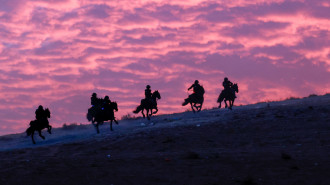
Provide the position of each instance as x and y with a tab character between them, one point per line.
198	89
40	114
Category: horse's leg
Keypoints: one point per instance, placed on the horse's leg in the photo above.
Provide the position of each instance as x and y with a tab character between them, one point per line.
156	110
232	104
143	113
43	137
111	125
197	107
220	100
226	105
192	107
49	129
97	128
33	138
148	114
200	108
114	119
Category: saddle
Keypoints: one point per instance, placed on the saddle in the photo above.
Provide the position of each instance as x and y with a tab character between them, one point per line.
150	102
228	93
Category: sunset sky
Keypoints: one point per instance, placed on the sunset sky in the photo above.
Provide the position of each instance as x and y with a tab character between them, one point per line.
58	52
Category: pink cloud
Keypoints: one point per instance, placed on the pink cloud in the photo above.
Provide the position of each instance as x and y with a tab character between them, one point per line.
57	53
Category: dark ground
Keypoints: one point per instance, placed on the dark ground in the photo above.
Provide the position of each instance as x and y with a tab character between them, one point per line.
266	146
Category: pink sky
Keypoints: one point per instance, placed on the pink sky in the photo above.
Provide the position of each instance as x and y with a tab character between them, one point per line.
58	52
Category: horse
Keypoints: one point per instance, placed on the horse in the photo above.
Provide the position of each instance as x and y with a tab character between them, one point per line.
228	97
196	101
99	114
38	125
148	105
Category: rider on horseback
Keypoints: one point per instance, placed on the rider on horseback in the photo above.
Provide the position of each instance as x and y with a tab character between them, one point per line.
41	116
148	95
106	103
196	99
107	108
147	92
94	99
198	90
227	87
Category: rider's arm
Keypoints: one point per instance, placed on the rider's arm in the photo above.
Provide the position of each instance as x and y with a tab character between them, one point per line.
191	87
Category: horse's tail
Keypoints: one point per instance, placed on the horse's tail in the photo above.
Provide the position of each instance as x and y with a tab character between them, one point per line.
29	131
89	116
186	101
138	109
219	99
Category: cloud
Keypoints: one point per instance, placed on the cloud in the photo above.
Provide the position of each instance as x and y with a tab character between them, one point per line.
56	53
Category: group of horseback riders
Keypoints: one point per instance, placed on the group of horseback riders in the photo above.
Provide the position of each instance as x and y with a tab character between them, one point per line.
102	109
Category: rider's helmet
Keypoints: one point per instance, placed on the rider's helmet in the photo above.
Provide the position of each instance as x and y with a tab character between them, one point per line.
196	81
106	98
40	107
148	86
226	79
94	95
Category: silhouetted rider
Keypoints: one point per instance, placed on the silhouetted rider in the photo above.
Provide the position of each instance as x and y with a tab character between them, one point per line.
94	99
226	83
106	103
227	86
198	89
41	115
148	96
147	92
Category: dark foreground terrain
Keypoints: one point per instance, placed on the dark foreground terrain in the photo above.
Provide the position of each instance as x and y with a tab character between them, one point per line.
268	144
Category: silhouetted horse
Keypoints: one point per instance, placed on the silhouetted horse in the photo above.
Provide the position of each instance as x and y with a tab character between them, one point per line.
195	100
148	105
38	125
99	114
228	96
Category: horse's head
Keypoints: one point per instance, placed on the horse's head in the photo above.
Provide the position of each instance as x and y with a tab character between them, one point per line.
114	105
47	113
235	87
156	94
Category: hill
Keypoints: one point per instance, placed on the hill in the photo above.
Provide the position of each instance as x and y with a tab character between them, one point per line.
285	142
